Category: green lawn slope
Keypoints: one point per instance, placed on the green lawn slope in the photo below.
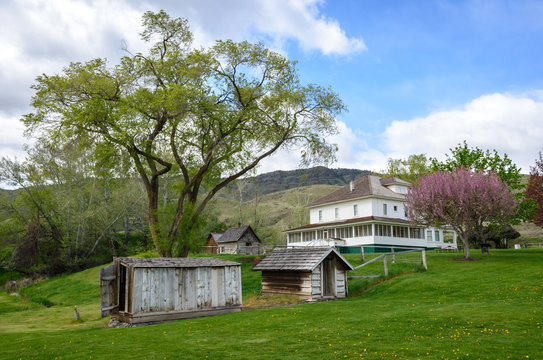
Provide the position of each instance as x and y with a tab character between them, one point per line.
487	309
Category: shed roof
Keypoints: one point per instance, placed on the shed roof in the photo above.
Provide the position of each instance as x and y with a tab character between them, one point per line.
175	262
369	185
234	234
298	259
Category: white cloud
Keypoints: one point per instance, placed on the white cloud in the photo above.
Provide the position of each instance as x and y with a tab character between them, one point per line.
510	124
274	21
11	137
353	152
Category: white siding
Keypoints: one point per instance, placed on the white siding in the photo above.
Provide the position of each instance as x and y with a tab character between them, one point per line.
378	208
345	211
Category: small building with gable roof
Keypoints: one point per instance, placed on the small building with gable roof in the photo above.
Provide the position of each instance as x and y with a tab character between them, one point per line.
311	273
236	240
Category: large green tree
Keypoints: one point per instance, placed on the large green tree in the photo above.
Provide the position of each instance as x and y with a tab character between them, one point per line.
204	116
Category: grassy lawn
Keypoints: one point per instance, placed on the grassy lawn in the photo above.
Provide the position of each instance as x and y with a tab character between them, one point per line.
489	309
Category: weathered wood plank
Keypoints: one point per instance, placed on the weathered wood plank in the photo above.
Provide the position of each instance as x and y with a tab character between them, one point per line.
177	315
172	289
130	285
179	289
146	290
153	284
137	283
221	288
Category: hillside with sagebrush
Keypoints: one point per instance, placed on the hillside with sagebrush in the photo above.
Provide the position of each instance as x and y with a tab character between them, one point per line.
284	180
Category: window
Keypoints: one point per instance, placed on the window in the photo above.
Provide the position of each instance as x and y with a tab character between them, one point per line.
382	230
355	209
308	235
248	244
362	230
320	215
293	238
344	232
417	233
395	208
221	249
384	209
400	231
429	235
336	210
436	234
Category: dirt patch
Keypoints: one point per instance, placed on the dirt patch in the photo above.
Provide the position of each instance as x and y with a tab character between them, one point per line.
270	301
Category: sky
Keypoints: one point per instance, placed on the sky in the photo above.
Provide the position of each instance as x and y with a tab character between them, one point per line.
417	76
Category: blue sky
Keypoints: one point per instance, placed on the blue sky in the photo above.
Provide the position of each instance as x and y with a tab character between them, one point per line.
416	76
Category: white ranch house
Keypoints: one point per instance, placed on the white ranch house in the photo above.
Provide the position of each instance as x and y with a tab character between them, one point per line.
368	212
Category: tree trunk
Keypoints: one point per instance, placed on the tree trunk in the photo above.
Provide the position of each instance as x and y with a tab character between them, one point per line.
467	254
154	228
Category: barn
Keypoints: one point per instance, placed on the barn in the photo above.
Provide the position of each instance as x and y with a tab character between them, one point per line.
141	290
312	273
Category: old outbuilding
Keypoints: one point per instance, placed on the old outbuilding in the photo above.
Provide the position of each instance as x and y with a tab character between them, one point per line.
312	273
236	240
138	290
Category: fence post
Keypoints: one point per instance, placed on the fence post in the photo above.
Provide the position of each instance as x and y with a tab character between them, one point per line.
424	259
385	264
362	254
393	256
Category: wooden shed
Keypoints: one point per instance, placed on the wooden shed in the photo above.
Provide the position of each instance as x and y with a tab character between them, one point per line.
137	290
312	273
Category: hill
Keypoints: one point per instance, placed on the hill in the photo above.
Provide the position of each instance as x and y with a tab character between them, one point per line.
283	180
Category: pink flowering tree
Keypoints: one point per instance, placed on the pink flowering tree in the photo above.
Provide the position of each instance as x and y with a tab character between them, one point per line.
464	199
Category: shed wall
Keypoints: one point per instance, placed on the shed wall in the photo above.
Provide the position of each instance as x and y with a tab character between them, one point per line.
287	283
185	289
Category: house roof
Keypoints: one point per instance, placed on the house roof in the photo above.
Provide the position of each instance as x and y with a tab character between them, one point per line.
369	185
354	220
175	262
215	236
394	181
298	259
234	234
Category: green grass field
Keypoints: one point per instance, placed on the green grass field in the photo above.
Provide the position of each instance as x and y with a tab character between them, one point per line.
487	309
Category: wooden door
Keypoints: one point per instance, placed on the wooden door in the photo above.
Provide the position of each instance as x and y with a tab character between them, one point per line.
328	278
108	290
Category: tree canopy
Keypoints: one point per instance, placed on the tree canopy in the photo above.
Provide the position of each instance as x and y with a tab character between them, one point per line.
534	190
467	200
490	161
408	169
202	116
